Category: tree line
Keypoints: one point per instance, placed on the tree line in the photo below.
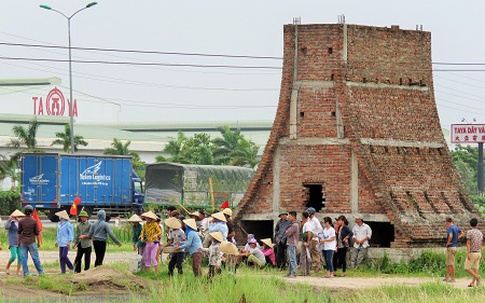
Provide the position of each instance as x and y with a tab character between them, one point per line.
232	148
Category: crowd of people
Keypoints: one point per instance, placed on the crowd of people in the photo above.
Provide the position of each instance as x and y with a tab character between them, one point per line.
304	244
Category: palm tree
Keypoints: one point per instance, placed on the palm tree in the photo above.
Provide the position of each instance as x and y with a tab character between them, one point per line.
64	139
225	145
174	148
118	148
244	154
26	136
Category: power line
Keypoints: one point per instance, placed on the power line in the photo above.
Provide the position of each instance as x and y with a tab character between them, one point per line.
136	51
139	63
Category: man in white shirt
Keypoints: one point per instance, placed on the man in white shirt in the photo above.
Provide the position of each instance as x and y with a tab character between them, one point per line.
362	234
315	228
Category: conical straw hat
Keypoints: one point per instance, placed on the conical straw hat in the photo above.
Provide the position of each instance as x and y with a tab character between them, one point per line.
173	223
17	213
217	235
228	248
149	214
63	215
134	218
219	216
190	223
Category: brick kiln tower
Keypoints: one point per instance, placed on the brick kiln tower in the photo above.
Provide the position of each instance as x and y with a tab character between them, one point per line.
357	131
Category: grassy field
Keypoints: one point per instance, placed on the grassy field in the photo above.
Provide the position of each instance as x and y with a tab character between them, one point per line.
268	285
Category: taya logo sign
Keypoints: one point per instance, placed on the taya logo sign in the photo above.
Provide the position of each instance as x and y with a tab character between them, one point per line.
90	176
54	104
467	133
39	180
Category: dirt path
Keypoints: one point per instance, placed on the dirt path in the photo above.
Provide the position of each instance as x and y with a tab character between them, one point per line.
370	282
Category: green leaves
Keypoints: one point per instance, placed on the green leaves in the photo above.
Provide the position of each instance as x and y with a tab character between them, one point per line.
64	139
229	149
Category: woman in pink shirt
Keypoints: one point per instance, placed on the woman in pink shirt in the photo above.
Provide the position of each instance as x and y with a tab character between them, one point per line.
268	251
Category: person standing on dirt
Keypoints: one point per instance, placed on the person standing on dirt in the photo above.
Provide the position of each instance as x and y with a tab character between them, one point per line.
344	234
316	228
12	226
362	234
292	235
474	247
27	233
280	239
99	233
64	238
453	233
84	246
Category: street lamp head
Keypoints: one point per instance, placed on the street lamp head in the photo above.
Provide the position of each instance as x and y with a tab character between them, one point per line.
45	7
91	4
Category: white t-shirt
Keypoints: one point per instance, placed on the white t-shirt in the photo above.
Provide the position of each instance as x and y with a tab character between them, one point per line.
327	234
315	226
306	227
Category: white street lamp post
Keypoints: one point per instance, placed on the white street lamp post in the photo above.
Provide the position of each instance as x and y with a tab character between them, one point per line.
71	100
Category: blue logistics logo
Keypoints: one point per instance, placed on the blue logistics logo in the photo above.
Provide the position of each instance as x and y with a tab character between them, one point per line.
90	175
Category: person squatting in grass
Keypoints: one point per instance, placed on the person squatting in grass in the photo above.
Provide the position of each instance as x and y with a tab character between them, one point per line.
85	246
64	238
474	247
12	225
99	232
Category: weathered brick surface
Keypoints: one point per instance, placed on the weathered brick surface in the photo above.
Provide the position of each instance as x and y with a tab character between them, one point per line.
384	94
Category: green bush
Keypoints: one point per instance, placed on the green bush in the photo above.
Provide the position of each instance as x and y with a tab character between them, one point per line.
9	201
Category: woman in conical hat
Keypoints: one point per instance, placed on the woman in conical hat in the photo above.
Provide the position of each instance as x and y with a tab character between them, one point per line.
12	225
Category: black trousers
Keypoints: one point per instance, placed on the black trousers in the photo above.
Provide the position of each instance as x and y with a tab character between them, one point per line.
281	255
176	259
340	259
99	250
86	252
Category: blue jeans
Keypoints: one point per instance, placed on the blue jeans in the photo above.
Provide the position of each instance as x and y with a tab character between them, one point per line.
328	255
34	253
291	250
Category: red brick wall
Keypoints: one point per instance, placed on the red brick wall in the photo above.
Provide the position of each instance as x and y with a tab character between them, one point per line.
384	93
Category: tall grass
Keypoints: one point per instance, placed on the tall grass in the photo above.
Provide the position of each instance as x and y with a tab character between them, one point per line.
429	263
427	293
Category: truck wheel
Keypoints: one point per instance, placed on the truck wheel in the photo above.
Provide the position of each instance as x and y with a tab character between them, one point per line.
53	218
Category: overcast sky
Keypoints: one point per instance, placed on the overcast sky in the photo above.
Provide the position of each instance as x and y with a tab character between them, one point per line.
250	28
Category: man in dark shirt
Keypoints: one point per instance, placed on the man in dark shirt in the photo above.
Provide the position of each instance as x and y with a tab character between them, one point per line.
280	239
27	232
